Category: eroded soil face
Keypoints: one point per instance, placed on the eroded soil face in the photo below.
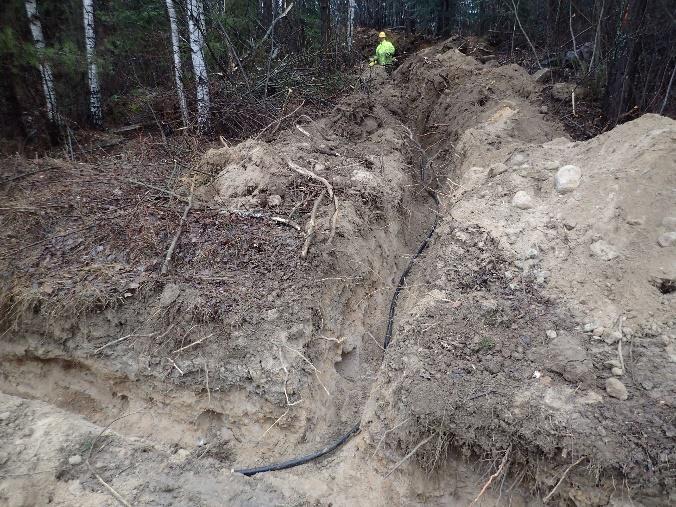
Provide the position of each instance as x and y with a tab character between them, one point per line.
533	341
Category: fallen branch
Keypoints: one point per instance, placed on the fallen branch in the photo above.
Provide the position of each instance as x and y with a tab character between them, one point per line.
405	458
110	489
172	247
311	225
253	214
311	175
492	477
114	342
279	122
192	344
329	189
159	189
563	476
25	175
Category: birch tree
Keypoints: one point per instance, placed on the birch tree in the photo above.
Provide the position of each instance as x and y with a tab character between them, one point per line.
178	73
45	69
196	31
95	110
351	8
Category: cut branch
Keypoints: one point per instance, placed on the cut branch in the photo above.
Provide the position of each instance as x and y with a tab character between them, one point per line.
172	247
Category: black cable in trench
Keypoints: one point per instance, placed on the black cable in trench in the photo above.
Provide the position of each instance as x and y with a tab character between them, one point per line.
388	337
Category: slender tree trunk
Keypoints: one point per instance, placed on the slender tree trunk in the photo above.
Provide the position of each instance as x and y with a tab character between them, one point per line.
325	21
266	13
178	73
619	93
45	68
95	110
351	8
196	31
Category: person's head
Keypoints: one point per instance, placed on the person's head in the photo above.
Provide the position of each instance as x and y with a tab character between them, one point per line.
382	36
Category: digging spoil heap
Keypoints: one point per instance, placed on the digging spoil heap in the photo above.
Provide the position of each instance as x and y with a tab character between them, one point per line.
533	344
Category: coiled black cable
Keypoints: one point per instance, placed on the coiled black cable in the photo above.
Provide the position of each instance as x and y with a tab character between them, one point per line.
388	337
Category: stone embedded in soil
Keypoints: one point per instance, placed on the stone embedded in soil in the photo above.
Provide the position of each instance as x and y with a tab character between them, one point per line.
599	331
616	389
75	460
636	220
603	250
522	200
567	179
551	165
618	372
274	201
551	334
613	337
497	169
667	239
169	294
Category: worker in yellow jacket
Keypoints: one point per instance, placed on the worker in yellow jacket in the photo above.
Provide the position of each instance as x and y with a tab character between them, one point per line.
384	52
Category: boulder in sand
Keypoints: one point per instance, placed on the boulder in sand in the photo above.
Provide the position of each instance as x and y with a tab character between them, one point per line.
522	200
567	179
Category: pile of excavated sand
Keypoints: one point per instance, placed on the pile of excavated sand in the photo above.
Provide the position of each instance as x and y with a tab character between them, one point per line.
541	323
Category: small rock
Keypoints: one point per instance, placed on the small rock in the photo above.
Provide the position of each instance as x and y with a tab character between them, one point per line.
551	165
4	416
589	327
616	389
169	294
569	224
544	110
496	169
613	363
613	337
543	75
532	253
320	167
274	201
603	250
75	460
635	220
599	331
618	372
551	334
667	239
669	223
518	159
567	179
522	200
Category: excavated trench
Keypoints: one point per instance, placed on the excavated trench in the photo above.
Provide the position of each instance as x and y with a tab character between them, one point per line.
411	326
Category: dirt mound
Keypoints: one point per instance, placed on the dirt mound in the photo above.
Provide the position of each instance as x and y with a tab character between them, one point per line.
246	353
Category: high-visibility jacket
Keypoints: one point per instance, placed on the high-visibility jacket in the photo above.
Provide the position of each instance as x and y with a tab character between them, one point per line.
385	53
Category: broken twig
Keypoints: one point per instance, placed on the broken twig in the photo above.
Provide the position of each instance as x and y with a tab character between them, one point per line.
311	225
192	344
172	247
563	476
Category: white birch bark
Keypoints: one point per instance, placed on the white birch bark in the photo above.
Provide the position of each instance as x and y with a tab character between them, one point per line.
352	7
95	109
178	73
196	32
45	69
